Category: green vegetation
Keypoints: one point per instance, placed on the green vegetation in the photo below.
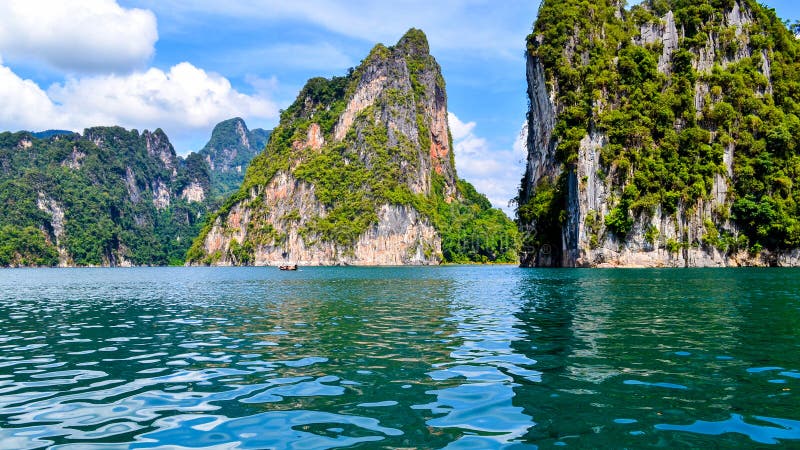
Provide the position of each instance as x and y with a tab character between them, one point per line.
25	247
231	148
661	149
104	219
471	230
546	210
372	165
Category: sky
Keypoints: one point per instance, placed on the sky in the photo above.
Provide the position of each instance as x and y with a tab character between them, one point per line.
185	65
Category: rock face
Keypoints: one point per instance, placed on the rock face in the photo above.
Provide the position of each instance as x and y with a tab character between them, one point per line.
400	236
194	192
356	173
613	179
56	213
664	33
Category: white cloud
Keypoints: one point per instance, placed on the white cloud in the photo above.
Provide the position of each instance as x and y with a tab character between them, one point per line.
185	101
185	96
459	129
78	35
495	173
23	102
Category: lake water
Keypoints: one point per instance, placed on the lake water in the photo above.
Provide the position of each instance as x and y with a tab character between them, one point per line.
440	357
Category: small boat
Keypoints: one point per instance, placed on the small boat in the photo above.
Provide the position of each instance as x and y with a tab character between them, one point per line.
288	267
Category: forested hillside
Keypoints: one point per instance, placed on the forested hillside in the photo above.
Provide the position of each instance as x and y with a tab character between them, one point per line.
228	153
107	197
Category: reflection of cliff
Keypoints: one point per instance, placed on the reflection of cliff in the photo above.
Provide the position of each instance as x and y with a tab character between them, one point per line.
477	382
367	323
345	338
611	346
545	321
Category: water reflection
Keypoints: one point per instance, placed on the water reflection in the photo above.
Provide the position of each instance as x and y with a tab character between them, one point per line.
451	357
763	434
484	369
641	358
334	359
276	429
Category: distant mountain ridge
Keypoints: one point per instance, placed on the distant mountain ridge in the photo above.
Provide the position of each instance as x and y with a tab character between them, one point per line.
228	153
108	196
50	133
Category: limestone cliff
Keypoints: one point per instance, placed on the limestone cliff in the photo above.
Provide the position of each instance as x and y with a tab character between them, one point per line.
661	136
360	171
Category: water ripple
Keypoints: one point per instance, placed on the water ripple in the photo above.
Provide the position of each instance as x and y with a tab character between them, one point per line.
763	434
450	357
275	429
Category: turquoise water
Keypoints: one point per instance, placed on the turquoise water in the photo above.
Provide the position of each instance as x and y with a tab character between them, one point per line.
441	357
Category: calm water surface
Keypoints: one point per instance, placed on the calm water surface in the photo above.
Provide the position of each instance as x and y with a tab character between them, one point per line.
445	357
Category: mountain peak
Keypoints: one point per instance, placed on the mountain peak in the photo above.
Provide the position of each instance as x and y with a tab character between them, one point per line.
414	42
360	170
229	151
234	121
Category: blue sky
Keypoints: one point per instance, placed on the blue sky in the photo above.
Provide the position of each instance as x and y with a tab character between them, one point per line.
185	65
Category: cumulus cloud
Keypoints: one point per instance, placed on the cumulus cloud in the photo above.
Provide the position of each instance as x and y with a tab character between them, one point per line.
183	96
184	101
78	35
23	102
493	172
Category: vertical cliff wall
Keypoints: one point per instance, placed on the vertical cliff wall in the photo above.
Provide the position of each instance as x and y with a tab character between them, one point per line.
650	133
360	171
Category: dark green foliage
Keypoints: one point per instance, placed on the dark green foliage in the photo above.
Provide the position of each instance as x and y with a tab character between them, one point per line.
661	150
543	215
25	247
472	230
195	170
103	221
619	221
